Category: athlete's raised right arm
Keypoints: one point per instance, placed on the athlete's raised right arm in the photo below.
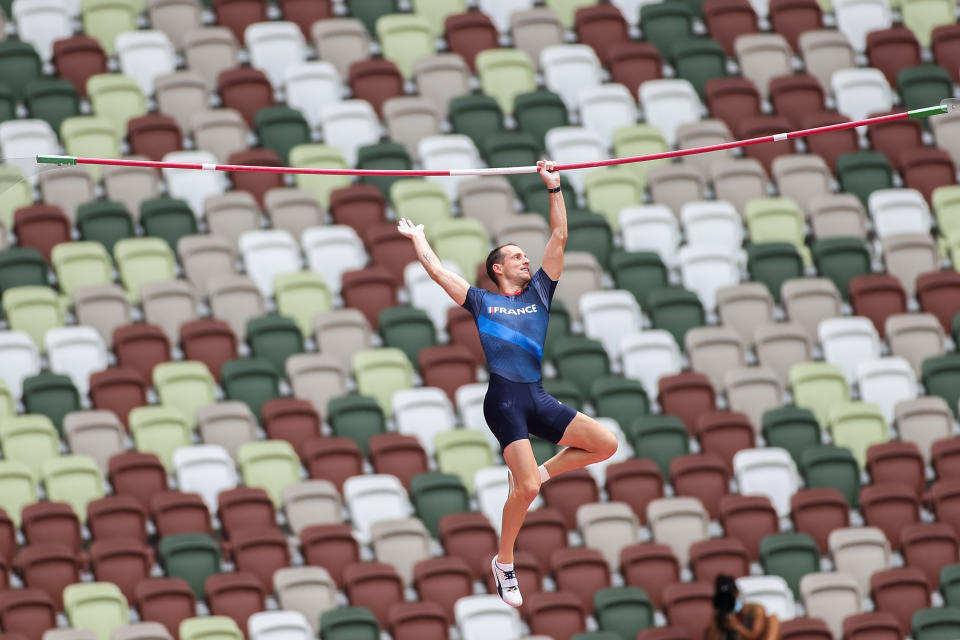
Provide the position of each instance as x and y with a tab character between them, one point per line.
455	286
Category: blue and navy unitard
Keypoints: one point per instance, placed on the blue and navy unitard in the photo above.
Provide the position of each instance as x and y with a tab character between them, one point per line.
512	332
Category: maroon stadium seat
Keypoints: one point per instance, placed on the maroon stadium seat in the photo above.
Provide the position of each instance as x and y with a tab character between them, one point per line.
333	547
141	347
374	585
260	551
889	507
359	206
118	389
635	482
733	98
398	454
891	50
470	536
650	566
817	512
237	595
750	518
370	290
77	58
794	96
154	135
245	507
726	20
376	81
136	474
929	547
51	522
209	341
255	183
124	562
469	33
245	89
581	571
790	18
938	292
447	367
567	492
890	138
689	606
168	601
27	611
443	580
601	26
686	395
175	512
703	476
417	621
117	516
723	433
871	626
632	63
237	15
877	296
557	614
333	458
715	556
41	227
897	461
900	592
291	419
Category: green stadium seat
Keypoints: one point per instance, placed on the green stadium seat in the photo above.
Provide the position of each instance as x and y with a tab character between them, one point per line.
116	98
664	23
319	156
369	11
356	417
610	189
773	263
510	149
534	197
51	99
15	192
638	140
791	428
302	296
476	115
857	426
922	16
463	241
774	220
827	466
539	111
590	232
96	606
950	585
557	328
924	85
790	556
349	623
34	310
408	329
462	452
676	310
863	172
104	19
19	65
191	557
622	399
18	488
81	264
105	222
505	74
404	38
210	627
543	450
818	386
74	479
8	104
143	260
281	128
941	377
167	218
381	372
581	360
660	438
699	60
384	155
624	610
565	391
160	430
639	272
274	338
436	494
840	259
52	395
421	201
269	465
22	267
599	635
252	380
29	440
185	386
942	623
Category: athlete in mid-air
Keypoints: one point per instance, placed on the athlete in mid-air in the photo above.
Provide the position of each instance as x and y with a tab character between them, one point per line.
513	327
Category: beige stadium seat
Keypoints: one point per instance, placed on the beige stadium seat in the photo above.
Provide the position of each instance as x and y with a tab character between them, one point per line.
219	131
97	434
536	29
825	51
204	257
401	543
908	255
440	78
607	527
488	199
142	631
763	56
581	273
923	421
209	51
309	590
739	181
235	299
802	177
837	214
807	301
292	210
131	185
182	94
311	502
409	120
782	345
529	230
228	424
674	185
830	596
753	391
745	306
946	133
858	552
176	18
678	523
317	377
231	214
341	41
915	337
67	188
103	307
342	333
700	134
713	351
168	304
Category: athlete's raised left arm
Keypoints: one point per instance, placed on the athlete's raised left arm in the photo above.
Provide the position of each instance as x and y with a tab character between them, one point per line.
553	254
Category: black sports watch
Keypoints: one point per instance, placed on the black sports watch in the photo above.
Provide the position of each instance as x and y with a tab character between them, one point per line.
554	190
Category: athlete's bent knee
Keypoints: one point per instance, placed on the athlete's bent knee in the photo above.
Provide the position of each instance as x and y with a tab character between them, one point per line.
527	490
606	445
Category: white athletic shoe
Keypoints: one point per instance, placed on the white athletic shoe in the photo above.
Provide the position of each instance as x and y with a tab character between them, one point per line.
507	585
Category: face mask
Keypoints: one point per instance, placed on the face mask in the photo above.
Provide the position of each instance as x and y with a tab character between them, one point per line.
738	606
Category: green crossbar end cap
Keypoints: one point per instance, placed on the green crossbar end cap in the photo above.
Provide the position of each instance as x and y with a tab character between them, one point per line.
56	160
926	112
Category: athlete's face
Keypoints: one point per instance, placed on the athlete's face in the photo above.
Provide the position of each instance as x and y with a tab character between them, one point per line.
516	266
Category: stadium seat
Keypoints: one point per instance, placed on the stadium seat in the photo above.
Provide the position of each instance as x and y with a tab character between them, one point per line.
99	606
832	466
688	606
311	502
219	625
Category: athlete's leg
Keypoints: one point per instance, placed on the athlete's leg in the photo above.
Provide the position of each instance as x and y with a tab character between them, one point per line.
526	485
584	442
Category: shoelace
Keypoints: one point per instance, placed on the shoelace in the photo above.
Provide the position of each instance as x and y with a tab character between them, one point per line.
510	575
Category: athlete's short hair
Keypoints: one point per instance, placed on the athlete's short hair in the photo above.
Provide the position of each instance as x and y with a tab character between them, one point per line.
495	257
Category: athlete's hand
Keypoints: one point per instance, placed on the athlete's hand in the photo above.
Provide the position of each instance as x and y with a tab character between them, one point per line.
548	171
410	230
